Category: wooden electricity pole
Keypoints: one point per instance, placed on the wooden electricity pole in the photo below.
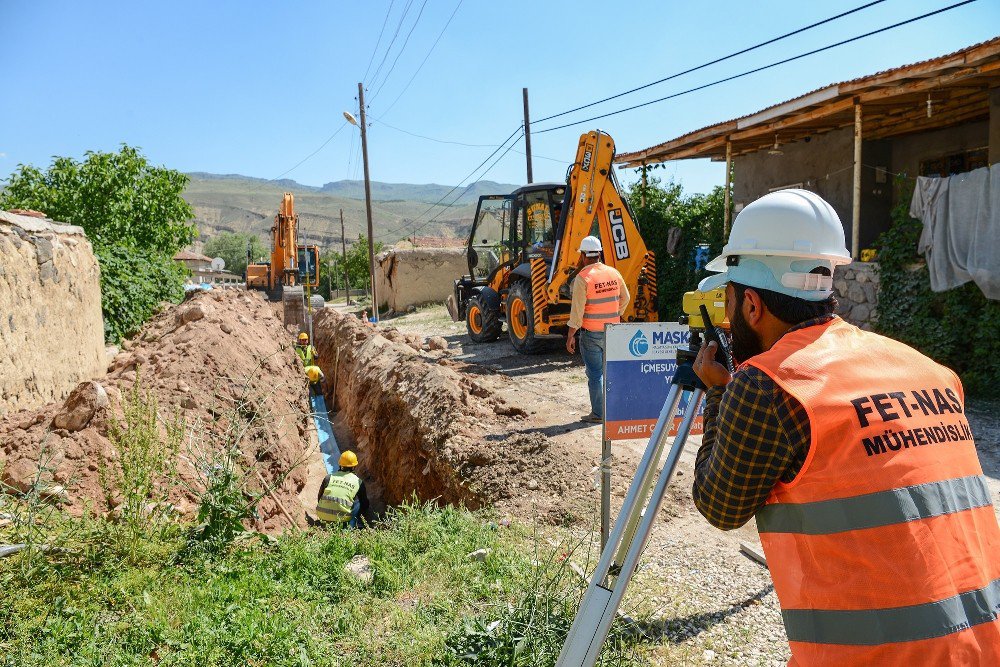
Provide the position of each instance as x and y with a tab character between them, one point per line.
368	201
527	133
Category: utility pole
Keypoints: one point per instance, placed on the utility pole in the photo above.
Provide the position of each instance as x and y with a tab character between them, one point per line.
527	133
368	201
343	257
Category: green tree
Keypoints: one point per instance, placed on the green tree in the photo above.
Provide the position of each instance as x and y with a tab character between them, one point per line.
134	215
700	220
232	247
331	270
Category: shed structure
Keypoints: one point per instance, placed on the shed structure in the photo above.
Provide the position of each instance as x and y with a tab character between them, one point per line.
845	141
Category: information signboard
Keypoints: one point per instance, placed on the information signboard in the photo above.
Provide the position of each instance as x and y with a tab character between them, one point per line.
640	361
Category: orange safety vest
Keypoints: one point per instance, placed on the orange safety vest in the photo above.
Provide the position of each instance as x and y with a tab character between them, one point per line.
603	296
885	548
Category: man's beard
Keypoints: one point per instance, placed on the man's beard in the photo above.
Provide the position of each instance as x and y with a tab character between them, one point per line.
746	343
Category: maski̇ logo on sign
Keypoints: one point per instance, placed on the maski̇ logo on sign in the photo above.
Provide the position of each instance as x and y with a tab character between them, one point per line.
639	345
618	234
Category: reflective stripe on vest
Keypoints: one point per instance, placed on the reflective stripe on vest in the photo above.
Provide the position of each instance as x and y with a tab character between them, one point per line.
338	497
883	549
306	353
603	296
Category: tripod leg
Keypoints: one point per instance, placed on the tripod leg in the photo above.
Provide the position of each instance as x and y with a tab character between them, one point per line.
597	611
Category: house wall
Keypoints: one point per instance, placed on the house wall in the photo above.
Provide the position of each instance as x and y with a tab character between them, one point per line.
994	125
825	165
910	150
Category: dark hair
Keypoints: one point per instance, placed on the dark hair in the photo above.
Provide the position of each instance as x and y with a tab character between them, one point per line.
788	309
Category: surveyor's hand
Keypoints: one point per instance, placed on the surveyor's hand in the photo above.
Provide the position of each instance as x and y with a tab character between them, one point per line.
571	344
711	372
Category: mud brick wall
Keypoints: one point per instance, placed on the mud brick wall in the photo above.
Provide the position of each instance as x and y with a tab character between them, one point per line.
51	329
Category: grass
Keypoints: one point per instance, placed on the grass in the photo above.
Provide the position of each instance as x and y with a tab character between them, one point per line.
289	601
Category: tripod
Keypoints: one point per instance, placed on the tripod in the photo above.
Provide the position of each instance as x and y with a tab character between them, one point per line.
635	521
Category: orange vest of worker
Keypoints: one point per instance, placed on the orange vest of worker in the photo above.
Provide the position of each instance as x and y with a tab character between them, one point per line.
603	296
884	549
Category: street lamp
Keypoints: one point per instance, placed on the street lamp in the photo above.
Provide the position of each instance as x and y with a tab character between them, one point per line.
368	194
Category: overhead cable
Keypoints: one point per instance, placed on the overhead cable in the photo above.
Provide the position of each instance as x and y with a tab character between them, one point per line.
429	52
713	62
760	69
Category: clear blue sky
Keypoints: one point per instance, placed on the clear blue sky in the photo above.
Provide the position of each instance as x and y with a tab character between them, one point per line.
253	87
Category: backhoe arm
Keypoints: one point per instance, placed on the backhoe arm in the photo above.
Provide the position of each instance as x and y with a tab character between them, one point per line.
593	198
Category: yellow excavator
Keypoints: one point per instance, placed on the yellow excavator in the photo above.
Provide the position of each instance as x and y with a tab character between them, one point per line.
523	252
292	266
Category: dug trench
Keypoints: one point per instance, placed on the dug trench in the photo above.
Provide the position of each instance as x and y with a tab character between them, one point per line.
431	428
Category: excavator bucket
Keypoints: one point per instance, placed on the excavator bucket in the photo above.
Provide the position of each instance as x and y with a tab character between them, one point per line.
293	306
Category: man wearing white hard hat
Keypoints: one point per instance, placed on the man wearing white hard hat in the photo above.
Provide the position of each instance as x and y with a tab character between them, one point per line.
599	298
853	452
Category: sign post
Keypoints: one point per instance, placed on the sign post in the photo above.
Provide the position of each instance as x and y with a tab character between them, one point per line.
639	362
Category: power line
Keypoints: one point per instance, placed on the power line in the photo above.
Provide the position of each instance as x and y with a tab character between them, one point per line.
461	143
392	42
429	52
379	40
714	62
761	69
447	194
400	52
488	170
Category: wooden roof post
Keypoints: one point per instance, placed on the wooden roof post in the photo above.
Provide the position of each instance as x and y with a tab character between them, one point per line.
642	198
856	208
725	196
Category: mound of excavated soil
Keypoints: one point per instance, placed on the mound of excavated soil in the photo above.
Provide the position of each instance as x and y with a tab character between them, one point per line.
222	362
427	425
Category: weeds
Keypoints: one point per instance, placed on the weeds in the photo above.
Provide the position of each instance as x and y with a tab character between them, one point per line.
138	481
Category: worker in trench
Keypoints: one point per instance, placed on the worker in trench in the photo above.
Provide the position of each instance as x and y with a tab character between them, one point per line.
316	377
599	298
853	452
306	353
343	499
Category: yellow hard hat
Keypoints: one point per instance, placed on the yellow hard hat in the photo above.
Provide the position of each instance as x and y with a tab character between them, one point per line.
303	337
348	459
313	373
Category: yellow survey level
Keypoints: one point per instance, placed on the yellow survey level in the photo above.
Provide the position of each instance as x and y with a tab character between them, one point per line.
714	301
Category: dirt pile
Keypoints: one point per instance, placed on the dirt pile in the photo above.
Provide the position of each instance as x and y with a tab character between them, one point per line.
221	362
428	425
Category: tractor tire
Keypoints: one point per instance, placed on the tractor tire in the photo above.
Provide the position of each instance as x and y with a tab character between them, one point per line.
521	320
482	322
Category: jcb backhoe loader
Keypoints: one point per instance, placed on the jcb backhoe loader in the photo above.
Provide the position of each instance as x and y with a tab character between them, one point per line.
292	266
523	252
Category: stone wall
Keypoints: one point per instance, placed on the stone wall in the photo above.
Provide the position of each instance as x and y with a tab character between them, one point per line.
51	329
409	277
856	287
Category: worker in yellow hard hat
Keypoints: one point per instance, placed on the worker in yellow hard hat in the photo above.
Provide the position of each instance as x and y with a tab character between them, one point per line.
342	495
306	353
316	377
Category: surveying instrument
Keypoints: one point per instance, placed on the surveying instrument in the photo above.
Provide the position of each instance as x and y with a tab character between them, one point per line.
704	312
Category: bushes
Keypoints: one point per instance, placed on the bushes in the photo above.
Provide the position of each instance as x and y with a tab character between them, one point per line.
699	218
956	328
134	215
133	284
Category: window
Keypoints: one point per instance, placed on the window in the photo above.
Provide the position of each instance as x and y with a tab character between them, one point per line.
955	163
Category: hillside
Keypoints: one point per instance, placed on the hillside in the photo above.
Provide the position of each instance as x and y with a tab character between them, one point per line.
242	204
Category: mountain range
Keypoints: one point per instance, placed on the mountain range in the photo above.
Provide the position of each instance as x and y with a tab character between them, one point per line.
231	202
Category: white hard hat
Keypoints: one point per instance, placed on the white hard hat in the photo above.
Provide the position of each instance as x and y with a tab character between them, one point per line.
777	241
590	245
